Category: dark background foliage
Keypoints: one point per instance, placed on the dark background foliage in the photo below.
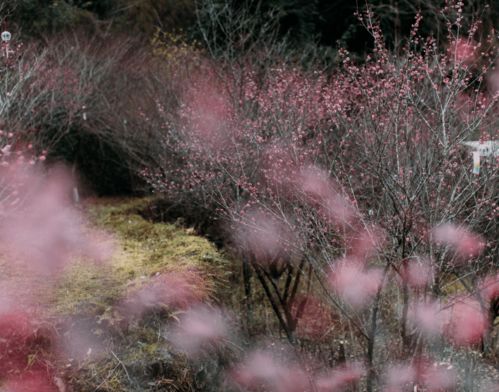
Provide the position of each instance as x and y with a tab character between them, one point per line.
321	22
305	29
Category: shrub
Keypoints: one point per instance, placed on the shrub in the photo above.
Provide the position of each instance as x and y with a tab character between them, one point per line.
81	98
366	168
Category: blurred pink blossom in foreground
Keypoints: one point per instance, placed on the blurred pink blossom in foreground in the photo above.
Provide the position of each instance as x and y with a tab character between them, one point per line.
174	289
399	377
30	382
417	272
262	371
264	236
463	51
8	299
438	377
489	287
467	322
493	80
319	190
464	243
432	377
43	230
199	329
315	184
22	342
429	317
79	342
314	318
354	283
340	378
207	113
366	242
462	321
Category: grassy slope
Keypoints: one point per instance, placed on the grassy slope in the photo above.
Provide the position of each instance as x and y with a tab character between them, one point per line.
90	294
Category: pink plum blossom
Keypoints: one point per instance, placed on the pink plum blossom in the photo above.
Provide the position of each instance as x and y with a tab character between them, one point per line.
279	168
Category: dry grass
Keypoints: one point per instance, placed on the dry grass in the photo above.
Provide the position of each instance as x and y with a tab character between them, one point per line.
136	356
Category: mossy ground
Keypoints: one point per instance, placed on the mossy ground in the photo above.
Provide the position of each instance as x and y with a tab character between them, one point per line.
136	356
142	249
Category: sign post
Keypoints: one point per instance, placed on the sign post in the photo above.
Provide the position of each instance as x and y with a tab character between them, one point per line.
488	149
6	36
476	162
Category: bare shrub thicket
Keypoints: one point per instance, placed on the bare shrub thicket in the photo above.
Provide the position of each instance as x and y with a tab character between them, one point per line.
350	196
82	98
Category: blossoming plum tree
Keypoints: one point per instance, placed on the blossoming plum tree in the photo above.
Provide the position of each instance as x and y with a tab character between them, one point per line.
354	186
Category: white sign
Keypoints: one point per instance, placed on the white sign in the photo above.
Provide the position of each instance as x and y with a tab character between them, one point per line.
486	149
6	36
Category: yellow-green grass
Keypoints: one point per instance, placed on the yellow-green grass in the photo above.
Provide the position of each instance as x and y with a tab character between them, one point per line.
137	357
142	249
